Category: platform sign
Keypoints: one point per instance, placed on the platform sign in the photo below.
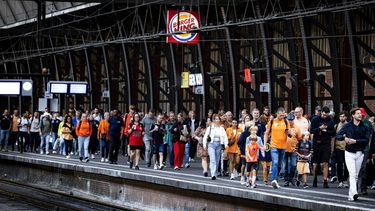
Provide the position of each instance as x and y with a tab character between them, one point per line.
78	89
199	79
192	81
58	88
180	21
264	87
199	90
16	87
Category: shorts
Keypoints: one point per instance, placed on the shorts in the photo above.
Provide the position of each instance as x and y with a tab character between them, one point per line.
303	168
243	160
157	148
321	153
251	166
136	147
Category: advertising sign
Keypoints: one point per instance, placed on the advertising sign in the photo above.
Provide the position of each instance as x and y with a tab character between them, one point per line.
180	21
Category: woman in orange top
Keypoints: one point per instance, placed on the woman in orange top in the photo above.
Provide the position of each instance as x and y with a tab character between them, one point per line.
84	130
233	133
103	136
294	135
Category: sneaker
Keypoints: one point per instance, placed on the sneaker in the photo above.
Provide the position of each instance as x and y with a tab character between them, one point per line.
47	153
205	174
213	178
341	185
68	156
305	186
136	167
325	184
187	165
86	160
275	185
130	165
80	159
232	176
333	179
235	173
41	153
346	185
286	184
71	153
161	167
176	168
54	152
265	182
102	160
92	156
253	186
242	180
355	197
106	160
248	184
156	166
373	187
315	183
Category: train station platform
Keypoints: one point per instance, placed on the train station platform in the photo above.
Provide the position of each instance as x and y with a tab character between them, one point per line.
149	189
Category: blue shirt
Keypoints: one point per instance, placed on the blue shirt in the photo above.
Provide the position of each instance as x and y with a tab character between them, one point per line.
115	124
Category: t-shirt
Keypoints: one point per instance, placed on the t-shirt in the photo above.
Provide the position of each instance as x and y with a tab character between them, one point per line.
158	136
35	125
292	141
115	124
304	148
5	122
252	151
147	122
278	135
135	137
103	127
55	125
45	126
24	123
15	122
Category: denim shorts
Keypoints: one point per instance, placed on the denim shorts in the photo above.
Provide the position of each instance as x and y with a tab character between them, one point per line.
157	148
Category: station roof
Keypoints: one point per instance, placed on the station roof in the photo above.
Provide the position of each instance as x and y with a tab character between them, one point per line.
18	12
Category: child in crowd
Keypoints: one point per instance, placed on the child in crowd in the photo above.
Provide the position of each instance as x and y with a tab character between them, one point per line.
253	145
304	152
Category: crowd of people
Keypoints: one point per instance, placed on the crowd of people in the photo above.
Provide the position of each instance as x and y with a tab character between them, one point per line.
286	145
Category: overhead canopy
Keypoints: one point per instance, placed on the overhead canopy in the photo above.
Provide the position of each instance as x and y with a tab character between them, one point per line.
17	12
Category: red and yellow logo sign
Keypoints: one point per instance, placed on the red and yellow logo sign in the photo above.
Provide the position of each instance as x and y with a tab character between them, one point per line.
182	21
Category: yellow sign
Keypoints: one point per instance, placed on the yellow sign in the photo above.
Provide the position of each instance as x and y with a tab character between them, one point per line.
184	80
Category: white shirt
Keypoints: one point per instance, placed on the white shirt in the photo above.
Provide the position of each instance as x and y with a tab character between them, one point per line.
23	122
217	133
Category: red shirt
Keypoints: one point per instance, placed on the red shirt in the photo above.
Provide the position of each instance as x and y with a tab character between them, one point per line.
135	137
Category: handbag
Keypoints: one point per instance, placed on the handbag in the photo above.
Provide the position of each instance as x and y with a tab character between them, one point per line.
183	138
209	136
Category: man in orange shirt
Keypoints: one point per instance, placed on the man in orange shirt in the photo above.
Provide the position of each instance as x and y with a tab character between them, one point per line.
277	130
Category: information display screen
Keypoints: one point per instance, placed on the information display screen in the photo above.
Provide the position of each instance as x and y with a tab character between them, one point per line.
10	88
58	88
78	89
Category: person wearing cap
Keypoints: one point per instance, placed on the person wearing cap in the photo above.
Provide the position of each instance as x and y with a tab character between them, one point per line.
322	127
294	135
363	174
318	112
356	136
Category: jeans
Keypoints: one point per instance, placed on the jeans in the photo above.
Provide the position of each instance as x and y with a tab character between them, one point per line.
54	137
62	146
4	136
83	146
214	151
353	162
23	141
363	173
44	142
276	155
187	153
104	148
290	164
170	154
147	143
74	150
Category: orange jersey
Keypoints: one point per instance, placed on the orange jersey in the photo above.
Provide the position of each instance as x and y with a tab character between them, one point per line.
233	134
252	152
278	134
103	127
292	141
127	120
84	128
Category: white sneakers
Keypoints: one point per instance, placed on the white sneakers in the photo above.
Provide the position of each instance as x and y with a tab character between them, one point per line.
156	166
68	156
243	180
106	160
92	156
232	176
41	152
275	185
47	153
102	160
54	152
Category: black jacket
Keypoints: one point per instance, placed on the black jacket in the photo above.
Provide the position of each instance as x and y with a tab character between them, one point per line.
323	137
360	133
